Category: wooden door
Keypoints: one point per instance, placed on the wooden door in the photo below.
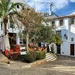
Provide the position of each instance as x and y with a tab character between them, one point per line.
72	49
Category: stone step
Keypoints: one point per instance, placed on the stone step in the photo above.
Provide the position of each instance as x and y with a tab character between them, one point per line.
50	57
50	54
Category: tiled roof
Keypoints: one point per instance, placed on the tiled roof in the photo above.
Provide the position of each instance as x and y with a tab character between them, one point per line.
69	16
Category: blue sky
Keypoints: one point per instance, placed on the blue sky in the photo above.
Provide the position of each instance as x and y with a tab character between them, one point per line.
60	7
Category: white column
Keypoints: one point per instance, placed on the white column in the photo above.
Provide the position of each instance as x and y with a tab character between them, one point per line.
17	39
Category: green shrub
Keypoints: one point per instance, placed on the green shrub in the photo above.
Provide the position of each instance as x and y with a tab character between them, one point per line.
37	55
40	55
30	56
21	57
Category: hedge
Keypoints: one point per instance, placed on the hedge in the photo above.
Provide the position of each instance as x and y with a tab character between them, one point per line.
32	56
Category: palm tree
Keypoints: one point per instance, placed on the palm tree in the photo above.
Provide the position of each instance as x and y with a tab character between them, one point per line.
7	8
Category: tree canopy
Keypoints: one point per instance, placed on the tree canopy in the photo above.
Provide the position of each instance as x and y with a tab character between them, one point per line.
30	20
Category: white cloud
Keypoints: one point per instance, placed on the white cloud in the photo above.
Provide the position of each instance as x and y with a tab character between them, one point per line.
72	13
58	4
72	0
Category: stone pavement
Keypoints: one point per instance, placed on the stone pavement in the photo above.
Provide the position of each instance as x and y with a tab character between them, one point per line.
14	65
62	66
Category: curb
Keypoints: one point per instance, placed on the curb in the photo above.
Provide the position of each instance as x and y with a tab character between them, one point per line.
34	64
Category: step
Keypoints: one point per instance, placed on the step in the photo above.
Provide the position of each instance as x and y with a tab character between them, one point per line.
50	57
51	60
50	54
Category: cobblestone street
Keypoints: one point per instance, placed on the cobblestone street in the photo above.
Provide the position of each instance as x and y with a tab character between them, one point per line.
62	66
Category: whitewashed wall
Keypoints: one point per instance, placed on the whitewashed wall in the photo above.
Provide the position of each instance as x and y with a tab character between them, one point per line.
63	32
69	30
66	23
65	48
57	23
10	30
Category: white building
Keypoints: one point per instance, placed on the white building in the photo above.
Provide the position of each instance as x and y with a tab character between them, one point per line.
65	26
15	30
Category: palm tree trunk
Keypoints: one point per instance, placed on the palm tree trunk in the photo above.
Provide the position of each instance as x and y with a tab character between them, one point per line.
27	40
5	28
5	21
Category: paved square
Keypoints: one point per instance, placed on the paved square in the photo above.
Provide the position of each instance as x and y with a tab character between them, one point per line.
62	66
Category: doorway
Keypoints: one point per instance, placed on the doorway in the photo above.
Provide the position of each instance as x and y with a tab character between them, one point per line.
71	49
58	49
12	38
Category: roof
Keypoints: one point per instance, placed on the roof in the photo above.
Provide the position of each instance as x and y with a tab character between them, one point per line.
62	17
47	16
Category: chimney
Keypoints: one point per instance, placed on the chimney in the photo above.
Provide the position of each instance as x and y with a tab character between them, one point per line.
50	8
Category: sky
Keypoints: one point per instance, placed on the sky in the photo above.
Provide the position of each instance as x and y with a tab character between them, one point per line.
60	7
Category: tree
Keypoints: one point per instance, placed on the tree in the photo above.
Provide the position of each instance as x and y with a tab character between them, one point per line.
7	8
44	34
57	39
31	21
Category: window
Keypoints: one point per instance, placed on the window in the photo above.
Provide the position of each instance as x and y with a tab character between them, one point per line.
58	32
61	22
65	36
72	20
18	6
1	26
46	14
53	22
72	39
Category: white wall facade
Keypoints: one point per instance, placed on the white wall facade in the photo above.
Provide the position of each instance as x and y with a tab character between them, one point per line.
68	30
14	30
65	48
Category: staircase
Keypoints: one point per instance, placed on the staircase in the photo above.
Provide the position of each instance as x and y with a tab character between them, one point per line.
50	57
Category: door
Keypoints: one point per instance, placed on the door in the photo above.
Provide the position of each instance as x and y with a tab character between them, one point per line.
58	49
72	49
12	38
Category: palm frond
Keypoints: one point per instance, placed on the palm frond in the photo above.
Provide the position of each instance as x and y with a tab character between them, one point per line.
15	13
7	5
0	6
0	14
